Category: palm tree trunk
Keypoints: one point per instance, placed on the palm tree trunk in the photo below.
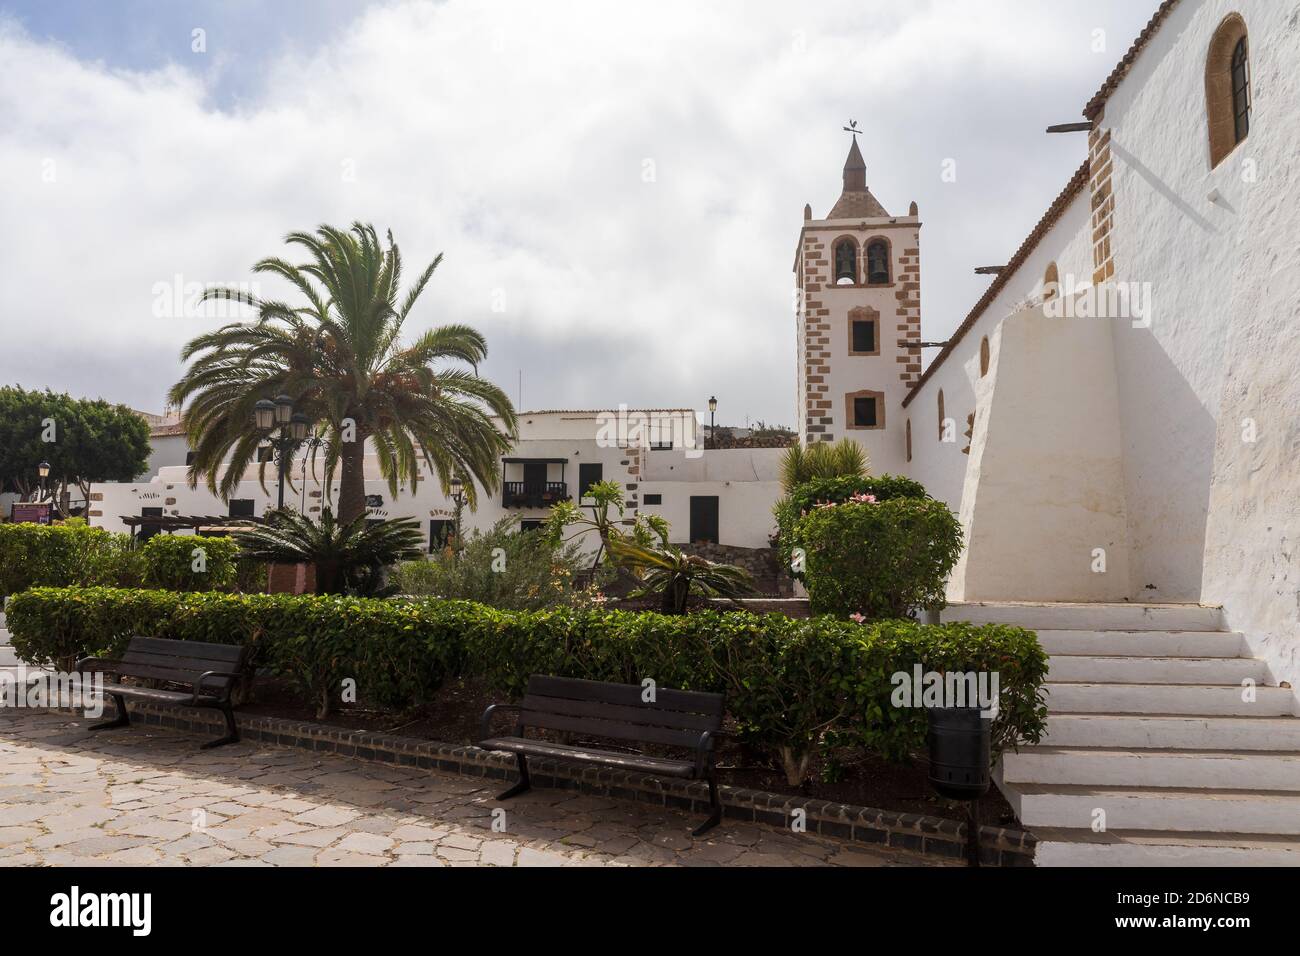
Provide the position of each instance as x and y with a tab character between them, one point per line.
352	480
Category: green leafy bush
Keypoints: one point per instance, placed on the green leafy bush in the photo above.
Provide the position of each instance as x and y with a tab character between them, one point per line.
880	560
501	567
398	652
789	683
33	555
834	490
174	563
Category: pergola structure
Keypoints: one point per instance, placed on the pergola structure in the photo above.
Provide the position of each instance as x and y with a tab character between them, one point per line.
210	526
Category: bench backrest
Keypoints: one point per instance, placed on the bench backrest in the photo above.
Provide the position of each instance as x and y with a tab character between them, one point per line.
675	718
180	662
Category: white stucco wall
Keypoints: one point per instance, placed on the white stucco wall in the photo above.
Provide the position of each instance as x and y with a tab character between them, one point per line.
1214	517
1043	502
164	452
940	466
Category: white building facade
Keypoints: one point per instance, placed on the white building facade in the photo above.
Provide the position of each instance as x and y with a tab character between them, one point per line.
716	496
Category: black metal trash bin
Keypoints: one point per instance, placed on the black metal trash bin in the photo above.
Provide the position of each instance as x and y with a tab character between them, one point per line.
959	752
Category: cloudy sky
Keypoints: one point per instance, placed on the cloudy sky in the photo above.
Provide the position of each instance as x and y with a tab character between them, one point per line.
617	187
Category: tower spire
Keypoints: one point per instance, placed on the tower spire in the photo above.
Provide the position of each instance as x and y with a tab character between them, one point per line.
856	201
855	170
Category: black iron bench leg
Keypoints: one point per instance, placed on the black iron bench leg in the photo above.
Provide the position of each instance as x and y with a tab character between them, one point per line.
232	731
123	719
715	816
524	782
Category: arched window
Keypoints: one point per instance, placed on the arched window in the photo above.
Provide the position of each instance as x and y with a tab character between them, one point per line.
1051	282
941	415
878	262
846	262
984	356
1227	87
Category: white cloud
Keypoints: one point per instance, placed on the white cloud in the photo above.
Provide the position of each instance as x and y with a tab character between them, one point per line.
513	137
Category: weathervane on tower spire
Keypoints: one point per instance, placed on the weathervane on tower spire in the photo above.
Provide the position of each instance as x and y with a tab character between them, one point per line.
853	128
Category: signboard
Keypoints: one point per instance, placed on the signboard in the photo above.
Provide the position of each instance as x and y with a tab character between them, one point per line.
30	512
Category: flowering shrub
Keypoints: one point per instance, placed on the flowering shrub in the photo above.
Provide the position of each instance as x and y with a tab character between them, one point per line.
824	492
878	559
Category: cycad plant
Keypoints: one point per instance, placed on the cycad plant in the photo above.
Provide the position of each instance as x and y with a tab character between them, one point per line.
341	358
672	574
349	556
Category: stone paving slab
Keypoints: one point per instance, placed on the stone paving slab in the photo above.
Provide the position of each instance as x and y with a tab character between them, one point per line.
150	797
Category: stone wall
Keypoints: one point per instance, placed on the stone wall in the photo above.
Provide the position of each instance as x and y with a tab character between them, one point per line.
759	562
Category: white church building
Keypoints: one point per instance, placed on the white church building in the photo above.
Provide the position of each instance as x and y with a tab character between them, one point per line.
1117	423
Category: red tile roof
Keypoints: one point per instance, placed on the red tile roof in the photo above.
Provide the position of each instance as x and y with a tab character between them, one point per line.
1121	70
1076	184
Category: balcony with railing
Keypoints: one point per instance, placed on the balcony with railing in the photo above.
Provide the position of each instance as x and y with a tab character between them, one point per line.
528	494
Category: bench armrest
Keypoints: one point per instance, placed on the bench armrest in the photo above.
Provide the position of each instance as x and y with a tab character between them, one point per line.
104	664
198	684
485	724
704	749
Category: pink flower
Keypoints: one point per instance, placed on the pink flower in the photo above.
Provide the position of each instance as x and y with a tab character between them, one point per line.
863	499
858	618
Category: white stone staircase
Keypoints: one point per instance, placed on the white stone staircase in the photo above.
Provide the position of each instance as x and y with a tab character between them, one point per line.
1147	722
8	659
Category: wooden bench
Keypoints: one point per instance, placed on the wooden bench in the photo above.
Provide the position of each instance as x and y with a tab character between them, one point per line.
209	671
683	719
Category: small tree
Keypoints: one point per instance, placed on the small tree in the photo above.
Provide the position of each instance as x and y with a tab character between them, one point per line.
607	510
84	441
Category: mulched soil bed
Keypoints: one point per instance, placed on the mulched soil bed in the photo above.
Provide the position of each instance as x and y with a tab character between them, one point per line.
863	780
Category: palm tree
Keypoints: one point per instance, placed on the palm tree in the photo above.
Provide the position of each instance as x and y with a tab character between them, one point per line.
341	358
349	556
822	460
673	574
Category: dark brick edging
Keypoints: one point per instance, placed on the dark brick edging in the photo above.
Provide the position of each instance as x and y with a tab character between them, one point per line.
932	836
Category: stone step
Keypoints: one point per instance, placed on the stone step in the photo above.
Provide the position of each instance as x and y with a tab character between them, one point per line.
1090	617
1208	700
1144	731
1155	670
1210	769
1144	643
1155	808
1059	847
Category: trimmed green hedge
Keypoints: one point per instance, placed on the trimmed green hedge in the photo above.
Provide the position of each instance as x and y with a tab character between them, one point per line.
788	682
171	562
34	555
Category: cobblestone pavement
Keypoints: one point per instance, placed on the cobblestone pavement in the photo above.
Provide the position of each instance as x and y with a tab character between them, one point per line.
147	796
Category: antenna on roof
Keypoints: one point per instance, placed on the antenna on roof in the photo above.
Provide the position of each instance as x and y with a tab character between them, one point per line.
853	128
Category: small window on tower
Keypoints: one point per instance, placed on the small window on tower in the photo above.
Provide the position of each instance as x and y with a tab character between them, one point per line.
864	335
878	263
846	262
865	409
864	412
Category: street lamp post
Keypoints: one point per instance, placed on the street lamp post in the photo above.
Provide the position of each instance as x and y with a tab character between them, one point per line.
713	407
43	470
269	413
457	488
